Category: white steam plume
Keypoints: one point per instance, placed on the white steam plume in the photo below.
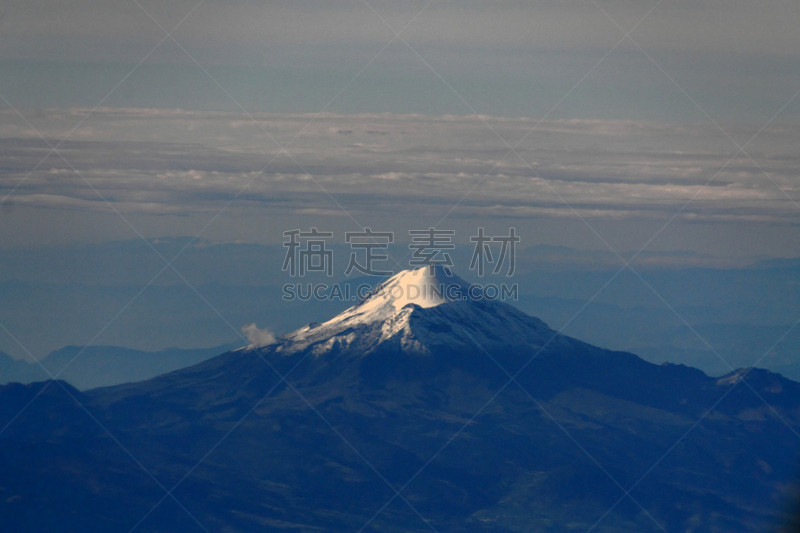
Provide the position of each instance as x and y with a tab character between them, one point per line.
258	336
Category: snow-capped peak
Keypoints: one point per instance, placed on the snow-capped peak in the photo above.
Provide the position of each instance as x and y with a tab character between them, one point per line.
425	287
407	309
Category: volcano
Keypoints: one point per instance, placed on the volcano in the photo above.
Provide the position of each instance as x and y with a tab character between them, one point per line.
428	406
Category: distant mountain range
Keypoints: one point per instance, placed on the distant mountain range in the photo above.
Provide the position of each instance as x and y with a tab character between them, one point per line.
88	367
426	407
743	313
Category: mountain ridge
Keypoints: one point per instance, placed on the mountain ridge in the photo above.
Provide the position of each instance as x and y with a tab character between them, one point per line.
88	367
310	433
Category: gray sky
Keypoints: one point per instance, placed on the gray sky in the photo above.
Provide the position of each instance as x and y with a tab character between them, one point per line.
737	60
608	126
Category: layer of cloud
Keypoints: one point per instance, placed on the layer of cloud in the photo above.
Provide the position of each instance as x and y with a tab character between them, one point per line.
179	162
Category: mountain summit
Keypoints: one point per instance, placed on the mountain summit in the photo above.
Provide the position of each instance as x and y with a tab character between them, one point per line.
421	311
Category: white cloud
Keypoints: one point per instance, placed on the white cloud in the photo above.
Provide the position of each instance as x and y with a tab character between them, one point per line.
258	336
198	162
